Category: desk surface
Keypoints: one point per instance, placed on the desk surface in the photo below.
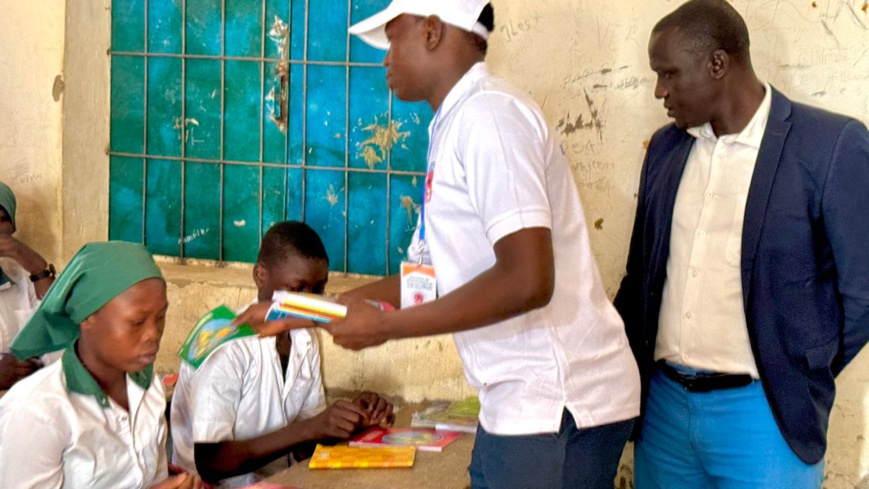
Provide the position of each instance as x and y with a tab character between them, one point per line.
431	470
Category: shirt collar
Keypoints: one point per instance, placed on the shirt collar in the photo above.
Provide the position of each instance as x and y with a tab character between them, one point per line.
80	381
752	134
465	83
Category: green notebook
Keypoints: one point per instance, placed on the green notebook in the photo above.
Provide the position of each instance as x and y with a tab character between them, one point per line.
210	332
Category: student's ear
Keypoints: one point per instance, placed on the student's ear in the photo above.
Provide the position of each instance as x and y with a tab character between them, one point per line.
434	29
89	323
260	275
719	63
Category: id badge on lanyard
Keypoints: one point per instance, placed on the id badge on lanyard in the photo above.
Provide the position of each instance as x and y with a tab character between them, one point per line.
418	280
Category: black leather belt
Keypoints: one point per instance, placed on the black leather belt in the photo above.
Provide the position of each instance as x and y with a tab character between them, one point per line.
704	382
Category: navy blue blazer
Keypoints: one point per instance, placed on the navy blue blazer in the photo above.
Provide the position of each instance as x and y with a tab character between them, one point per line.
805	259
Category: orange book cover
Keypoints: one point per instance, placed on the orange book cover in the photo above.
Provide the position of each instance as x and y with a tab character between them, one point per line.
344	457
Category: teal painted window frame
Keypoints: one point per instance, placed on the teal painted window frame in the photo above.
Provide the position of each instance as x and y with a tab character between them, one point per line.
225	122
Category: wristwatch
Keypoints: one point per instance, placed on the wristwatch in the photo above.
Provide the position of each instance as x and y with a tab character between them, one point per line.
48	272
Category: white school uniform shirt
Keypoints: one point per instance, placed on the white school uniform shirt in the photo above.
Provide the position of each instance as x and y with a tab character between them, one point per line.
18	301
702	320
240	392
53	437
497	170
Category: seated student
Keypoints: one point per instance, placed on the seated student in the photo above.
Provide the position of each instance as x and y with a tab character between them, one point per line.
95	418
255	400
24	278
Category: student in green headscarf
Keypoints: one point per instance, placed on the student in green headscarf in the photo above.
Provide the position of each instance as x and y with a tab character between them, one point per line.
24	278
100	409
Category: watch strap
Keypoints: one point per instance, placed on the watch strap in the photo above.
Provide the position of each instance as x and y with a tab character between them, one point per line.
48	272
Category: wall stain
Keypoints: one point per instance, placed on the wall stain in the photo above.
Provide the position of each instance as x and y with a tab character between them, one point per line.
598	224
57	88
375	149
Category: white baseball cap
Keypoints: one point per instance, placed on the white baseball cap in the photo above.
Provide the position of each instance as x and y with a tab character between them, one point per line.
459	13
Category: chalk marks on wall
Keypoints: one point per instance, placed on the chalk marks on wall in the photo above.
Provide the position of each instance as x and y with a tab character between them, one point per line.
513	29
569	125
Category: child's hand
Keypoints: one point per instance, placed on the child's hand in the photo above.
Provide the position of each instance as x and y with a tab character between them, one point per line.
255	316
339	420
378	409
181	481
12	370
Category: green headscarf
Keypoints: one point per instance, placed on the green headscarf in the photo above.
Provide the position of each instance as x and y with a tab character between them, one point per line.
7	201
96	274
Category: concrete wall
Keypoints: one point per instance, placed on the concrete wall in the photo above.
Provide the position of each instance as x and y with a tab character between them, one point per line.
31	99
583	60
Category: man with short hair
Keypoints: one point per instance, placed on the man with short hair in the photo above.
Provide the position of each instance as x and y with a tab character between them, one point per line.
24	279
502	225
747	286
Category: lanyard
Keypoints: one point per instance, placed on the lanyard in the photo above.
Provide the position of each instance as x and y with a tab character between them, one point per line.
429	176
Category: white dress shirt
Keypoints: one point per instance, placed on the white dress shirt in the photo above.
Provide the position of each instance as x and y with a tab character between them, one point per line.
51	437
497	170
17	301
702	320
240	392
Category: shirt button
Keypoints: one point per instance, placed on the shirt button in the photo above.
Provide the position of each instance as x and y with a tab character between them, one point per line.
688	315
694	273
702	234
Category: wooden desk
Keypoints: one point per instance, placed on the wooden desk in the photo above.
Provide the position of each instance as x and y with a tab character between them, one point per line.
431	470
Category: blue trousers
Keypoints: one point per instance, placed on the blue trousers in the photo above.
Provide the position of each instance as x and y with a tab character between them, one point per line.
725	439
572	458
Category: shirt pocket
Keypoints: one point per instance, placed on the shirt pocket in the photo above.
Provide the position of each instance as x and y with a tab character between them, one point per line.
733	247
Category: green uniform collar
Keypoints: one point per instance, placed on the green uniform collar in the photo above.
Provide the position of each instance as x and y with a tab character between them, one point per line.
80	381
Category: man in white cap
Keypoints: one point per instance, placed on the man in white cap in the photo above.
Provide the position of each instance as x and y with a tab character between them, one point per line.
502	228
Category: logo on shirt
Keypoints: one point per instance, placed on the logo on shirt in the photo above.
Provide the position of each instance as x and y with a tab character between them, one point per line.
428	178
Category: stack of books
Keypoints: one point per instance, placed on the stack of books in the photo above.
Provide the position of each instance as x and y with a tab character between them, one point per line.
309	306
318	308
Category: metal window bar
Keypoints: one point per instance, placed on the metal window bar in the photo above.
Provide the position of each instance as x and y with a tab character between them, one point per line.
181	241
145	129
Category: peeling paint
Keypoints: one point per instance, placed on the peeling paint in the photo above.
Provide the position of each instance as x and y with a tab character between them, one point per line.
277	104
240	224
280	35
375	149
332	194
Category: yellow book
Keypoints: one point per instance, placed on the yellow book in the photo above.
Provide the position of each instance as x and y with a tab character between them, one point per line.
344	457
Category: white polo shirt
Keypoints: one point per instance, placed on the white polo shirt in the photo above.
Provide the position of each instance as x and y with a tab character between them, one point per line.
52	437
18	300
497	170
240	392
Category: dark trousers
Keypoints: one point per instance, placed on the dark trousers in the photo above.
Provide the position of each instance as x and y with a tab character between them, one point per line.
570	459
